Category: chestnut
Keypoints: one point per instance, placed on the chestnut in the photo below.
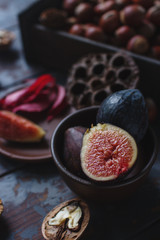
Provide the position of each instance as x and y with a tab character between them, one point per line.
109	21
147	29
138	44
123	34
95	33
53	18
156	40
152	109
155	52
70	22
145	3
103	7
153	15
84	12
121	3
132	15
69	5
77	29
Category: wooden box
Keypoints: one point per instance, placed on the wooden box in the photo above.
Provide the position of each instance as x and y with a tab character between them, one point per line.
59	50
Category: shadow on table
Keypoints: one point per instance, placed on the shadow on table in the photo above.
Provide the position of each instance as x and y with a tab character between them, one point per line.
4	229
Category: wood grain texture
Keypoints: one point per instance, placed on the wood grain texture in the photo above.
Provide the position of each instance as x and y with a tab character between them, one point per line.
30	191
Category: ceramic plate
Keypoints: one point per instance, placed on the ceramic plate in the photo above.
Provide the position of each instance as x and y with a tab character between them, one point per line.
33	151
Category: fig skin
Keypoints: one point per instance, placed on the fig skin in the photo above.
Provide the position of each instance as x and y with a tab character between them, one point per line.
72	146
107	153
126	109
19	129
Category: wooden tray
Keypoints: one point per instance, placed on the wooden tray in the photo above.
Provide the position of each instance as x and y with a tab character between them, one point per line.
58	49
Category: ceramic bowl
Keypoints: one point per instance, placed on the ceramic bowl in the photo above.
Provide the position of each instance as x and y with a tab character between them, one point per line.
116	190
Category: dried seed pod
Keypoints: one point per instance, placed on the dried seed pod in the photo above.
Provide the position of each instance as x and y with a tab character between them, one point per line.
6	38
53	18
68	220
1	207
96	76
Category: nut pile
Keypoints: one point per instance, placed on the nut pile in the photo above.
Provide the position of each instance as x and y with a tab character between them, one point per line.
96	76
130	24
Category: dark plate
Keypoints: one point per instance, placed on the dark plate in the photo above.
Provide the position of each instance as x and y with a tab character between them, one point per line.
33	152
115	190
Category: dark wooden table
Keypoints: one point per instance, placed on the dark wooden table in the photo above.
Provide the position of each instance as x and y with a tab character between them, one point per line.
30	191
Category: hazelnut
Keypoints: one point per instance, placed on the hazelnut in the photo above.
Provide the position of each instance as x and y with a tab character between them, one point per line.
145	3
123	34
84	12
138	44
69	5
153	15
109	21
95	33
147	29
77	29
103	7
155	52
132	15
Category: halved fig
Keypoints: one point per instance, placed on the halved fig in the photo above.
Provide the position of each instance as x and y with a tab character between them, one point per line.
72	146
19	129
1	207
66	221
107	152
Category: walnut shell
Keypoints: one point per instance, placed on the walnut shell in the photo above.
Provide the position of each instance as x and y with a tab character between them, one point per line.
1	207
6	38
62	232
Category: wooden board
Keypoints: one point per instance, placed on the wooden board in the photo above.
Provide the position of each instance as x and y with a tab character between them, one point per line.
30	191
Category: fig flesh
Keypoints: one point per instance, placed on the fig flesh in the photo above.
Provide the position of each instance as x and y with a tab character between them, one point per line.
107	152
19	129
125	109
72	146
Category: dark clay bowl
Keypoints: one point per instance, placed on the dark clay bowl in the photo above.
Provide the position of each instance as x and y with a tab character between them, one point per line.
118	190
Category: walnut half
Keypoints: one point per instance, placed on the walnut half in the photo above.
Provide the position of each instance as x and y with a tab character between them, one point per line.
1	207
66	221
6	38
